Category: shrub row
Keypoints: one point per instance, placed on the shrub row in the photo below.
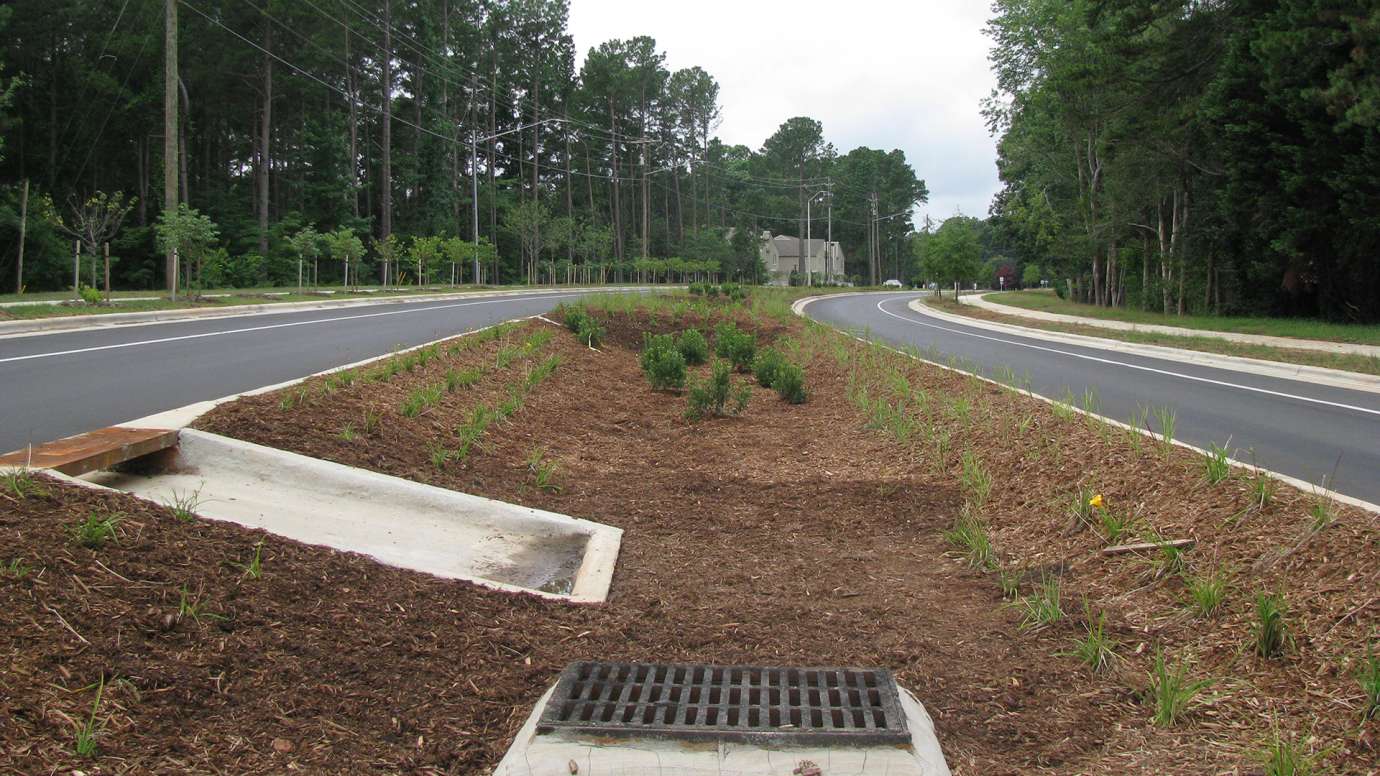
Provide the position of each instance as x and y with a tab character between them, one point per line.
733	291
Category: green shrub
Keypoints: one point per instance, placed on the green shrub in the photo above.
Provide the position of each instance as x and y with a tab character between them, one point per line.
574	316
739	347
1272	635
734	291
696	289
90	295
1171	692
767	366
790	384
711	291
693	346
662	363
712	396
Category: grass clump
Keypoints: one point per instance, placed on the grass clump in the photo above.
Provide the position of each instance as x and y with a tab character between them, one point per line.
456	380
969	534
1171	692
790	384
1283	757
662	363
16	569
1168	559
96	530
1207	592
422	399
1042	607
543	471
693	347
1096	649
23	484
254	568
737	346
718	395
85	744
1271	631
976	480
1368	676
1215	465
187	606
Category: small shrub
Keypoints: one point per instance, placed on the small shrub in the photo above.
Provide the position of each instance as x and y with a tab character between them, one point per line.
663	363
1170	690
767	366
790	384
89	295
96	529
693	347
1207	592
1096	649
696	289
711	291
591	332
1042	607
1271	629
739	347
712	396
734	291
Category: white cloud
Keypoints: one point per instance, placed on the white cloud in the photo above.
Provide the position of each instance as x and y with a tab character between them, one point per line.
907	75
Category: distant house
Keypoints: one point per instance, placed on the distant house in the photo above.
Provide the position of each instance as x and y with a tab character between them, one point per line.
781	256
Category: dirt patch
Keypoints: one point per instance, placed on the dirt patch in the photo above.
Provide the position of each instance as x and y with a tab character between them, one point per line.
789	535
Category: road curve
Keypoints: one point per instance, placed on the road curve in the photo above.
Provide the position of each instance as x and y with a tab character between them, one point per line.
1296	428
59	384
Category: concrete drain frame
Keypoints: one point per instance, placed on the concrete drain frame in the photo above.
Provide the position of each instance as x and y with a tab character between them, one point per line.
746	704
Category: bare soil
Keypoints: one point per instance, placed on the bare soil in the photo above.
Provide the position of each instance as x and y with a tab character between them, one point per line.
788	535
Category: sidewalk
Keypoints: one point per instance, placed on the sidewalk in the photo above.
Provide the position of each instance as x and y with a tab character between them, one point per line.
1341	348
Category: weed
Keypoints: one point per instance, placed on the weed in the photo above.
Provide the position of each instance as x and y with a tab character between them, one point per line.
96	529
1168	559
970	534
293	398
184	504
1206	592
1115	524
193	607
1263	488
1042	607
961	408
1091	404
371	422
1368	676
542	470
506	355
1215	463
16	569
85	745
712	396
464	379
693	347
347	434
767	366
976	481
1010	583
790	383
1272	635
662	363
1063	407
1025	423
739	347
542	371
1096	649
941	441
1323	511
1170	690
254	568
23	484
1083	505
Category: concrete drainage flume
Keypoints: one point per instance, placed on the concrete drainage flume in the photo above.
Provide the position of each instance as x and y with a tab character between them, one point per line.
397	522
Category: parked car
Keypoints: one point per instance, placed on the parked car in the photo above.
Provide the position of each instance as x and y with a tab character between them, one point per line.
893	283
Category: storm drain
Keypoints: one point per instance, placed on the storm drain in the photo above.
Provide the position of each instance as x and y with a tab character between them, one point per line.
816	706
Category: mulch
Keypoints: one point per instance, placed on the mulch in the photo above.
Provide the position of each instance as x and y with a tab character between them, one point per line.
788	535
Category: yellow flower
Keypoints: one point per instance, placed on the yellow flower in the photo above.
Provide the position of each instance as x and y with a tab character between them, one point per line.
1096	501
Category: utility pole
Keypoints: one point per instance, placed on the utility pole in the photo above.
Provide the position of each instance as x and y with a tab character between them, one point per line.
646	209
386	217
829	231
23	225
170	130
872	239
474	195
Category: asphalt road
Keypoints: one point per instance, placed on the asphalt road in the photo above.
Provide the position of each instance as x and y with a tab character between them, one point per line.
1293	427
64	383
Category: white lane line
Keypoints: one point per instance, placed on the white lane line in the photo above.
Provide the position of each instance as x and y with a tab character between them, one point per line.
203	335
1113	362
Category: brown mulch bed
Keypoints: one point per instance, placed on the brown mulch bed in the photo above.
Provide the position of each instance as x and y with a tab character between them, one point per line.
789	535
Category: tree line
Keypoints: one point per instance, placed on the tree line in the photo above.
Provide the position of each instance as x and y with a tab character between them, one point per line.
1205	156
367	117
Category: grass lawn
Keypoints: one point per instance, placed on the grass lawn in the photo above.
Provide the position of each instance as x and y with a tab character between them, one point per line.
1047	301
1369	365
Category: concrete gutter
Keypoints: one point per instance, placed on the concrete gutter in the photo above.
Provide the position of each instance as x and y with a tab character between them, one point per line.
1321	492
69	323
1324	346
1354	381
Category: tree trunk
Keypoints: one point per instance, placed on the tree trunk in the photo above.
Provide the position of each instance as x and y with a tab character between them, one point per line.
386	144
351	94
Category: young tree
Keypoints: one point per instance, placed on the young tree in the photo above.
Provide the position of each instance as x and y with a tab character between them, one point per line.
1030	276
188	232
529	221
426	253
389	250
952	254
346	248
306	243
94	221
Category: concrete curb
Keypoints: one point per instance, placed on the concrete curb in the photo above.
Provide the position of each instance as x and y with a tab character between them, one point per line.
1312	374
73	323
1303	485
1340	348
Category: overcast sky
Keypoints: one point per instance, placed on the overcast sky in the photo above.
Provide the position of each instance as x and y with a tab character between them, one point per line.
906	74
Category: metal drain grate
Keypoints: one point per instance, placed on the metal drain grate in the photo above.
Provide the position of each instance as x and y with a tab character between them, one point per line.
846	706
